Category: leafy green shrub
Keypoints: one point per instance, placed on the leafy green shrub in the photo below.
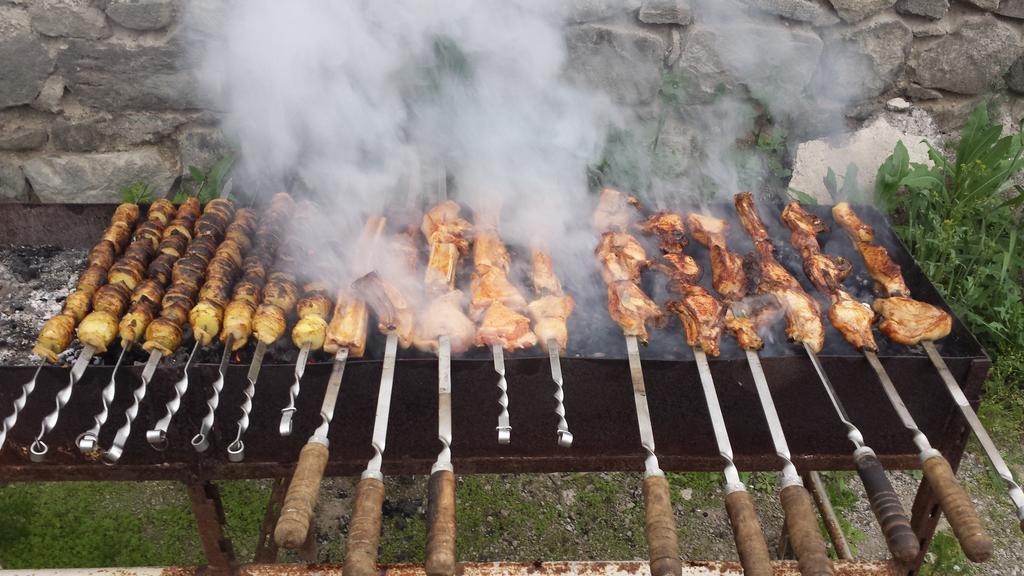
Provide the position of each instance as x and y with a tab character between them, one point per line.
958	220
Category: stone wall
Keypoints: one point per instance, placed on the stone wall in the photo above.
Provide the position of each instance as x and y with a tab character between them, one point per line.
95	94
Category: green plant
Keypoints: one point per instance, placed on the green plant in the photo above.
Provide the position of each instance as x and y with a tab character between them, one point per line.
137	193
844	500
207	185
944	557
958	220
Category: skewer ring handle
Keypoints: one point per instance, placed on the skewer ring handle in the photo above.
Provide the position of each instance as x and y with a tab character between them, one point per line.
236	451
364	529
802	527
201	443
746	530
660	527
504	434
440	554
285	429
37	451
565	438
157	439
86	442
899	536
300	500
958	508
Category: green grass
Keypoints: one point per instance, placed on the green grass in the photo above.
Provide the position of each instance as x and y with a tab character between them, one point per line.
944	557
844	500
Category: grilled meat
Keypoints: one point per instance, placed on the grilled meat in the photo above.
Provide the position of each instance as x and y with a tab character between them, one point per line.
744	330
621	256
505	327
490	286
825	272
768	275
669	229
543	273
393	311
883	270
682	270
446	233
615	211
707	230
632	309
803	318
444	317
750	219
907	321
490	252
800	221
853	319
348	327
549	315
702	318
727	274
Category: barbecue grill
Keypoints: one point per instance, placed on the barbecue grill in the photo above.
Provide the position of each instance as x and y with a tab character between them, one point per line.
597	401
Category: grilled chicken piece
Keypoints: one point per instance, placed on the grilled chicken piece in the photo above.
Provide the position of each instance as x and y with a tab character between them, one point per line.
750	219
799	220
883	270
682	271
444	317
55	337
744	330
503	326
393	311
442	224
441	263
621	256
544	279
632	309
824	271
707	230
615	211
768	274
853	319
907	321
702	318
670	230
493	286
349	325
727	274
489	251
549	318
803	318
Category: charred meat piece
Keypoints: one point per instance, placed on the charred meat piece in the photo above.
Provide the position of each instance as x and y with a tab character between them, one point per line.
349	325
907	321
750	219
670	230
632	309
883	270
803	318
799	220
393	311
766	272
444	317
681	270
615	211
727	274
702	318
853	319
549	318
621	256
744	330
824	271
857	229
505	327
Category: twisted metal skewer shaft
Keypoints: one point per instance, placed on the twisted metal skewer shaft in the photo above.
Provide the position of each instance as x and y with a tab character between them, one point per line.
236	450
86	441
38	449
504	428
444	404
112	455
157	436
19	403
201	441
288	411
564	436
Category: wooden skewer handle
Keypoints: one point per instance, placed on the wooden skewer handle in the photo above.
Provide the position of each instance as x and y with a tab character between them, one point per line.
746	529
802	526
440	557
660	528
297	510
959	509
364	529
899	536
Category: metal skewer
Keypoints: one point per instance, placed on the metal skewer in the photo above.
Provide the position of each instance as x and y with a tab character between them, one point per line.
504	428
19	403
899	536
1012	487
157	436
86	441
236	450
293	391
364	527
564	436
38	449
297	509
112	455
201	441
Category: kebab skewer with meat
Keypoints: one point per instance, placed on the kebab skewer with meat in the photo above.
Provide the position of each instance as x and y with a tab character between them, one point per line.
907	321
804	326
498	305
443	328
550	311
621	258
703	318
164	334
57	332
729	280
145	305
206	316
98	329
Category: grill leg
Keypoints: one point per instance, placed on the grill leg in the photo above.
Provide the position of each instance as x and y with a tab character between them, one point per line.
209	514
835	532
266	548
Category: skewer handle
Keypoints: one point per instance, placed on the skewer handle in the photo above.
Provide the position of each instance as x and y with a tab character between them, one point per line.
802	526
660	528
746	530
364	529
440	557
299	502
959	509
899	536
